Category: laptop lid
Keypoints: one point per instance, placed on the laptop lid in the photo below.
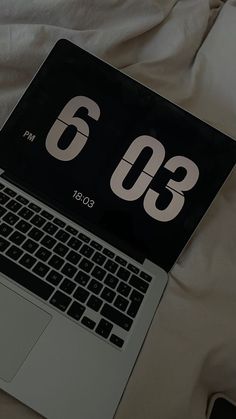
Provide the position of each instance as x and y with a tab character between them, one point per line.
114	156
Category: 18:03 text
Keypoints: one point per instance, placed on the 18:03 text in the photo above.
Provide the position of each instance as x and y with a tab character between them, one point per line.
85	200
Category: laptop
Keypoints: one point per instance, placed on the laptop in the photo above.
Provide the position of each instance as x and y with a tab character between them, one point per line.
102	184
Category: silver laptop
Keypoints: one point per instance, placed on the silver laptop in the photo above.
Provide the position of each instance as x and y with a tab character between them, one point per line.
102	183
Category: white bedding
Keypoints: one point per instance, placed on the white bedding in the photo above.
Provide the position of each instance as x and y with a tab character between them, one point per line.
180	50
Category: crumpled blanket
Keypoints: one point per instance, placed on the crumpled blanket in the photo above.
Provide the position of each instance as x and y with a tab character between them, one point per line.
186	51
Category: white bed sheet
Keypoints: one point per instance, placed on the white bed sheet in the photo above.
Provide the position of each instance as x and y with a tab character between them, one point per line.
180	50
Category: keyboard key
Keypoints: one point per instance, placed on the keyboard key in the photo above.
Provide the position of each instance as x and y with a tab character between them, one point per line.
115	316
133	309
62	235
17	238
26	213
98	273
38	221
59	223
1	186
120	260
121	303
3	210
145	276
74	243
41	269
136	296
117	341
138	283
34	207
27	261
82	278
46	214
60	300
133	268
108	253
81	294
14	252
69	270
73	257
43	254
60	249
94	303
5	230
50	228
104	328
96	245
136	301
54	277
111	266
56	262
99	258
123	273
10	192
76	310
22	200
3	198
35	234
111	281
67	286
71	230
10	218
13	205
86	321
86	250
86	265
23	226
25	278
84	238
30	246
124	289
48	242
108	295
95	286
4	244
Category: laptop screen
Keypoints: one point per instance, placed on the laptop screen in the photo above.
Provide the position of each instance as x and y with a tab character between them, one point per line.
114	156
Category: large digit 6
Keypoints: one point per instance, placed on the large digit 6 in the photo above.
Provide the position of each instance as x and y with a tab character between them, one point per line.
67	118
125	165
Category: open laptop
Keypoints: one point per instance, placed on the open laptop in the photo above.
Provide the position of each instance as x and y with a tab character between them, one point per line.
102	184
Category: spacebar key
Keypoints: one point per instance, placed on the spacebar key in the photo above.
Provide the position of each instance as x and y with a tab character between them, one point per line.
25	278
116	317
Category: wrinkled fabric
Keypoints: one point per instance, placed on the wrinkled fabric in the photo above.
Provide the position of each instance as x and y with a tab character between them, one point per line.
184	50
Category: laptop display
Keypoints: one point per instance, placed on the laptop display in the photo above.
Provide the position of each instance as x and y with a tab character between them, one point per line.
114	156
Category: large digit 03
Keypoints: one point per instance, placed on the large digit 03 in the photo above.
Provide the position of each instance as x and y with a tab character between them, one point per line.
67	118
150	170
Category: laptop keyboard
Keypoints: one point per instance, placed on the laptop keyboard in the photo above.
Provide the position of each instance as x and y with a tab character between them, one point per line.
69	269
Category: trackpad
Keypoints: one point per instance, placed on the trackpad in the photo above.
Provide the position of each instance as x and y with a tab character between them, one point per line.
21	324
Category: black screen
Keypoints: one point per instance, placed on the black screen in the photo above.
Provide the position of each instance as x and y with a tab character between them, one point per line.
116	157
223	409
